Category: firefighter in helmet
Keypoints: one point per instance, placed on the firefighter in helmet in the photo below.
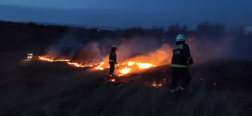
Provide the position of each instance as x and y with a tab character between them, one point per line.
112	60
181	57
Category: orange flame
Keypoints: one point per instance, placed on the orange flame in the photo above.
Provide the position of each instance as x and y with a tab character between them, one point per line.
79	65
47	59
130	63
102	66
99	67
124	71
145	65
42	58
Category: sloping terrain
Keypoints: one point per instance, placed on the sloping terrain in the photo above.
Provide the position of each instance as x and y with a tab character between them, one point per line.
32	87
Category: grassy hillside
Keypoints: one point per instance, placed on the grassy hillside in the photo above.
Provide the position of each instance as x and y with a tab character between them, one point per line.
31	87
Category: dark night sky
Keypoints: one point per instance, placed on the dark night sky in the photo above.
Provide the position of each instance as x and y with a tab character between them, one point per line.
129	13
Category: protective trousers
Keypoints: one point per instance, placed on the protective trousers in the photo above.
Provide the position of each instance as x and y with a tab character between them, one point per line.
112	68
182	76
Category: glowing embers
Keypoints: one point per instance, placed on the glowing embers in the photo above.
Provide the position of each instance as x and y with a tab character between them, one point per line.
145	65
154	84
120	81
51	60
191	39
124	71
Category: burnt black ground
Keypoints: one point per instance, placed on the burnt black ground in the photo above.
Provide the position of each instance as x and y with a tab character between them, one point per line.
33	87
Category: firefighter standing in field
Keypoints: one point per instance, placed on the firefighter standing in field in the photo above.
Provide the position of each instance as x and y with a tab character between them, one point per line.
180	74
112	61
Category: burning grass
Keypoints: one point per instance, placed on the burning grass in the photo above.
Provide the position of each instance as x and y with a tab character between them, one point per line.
127	67
53	60
39	89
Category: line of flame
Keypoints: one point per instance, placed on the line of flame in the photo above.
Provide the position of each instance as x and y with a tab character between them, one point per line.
47	59
101	66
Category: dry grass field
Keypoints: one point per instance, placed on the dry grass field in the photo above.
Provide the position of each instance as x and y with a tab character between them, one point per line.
30	87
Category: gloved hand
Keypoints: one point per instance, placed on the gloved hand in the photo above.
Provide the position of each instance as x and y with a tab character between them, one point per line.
190	62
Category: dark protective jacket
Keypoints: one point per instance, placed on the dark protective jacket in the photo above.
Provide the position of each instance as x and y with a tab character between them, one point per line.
112	57
181	54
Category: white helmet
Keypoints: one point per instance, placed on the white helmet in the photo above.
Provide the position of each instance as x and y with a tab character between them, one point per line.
114	46
180	37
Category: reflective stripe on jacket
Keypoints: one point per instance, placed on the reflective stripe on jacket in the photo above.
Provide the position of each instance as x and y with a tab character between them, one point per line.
112	61
178	66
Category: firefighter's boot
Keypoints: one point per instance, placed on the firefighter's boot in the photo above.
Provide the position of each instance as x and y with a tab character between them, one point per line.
110	77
